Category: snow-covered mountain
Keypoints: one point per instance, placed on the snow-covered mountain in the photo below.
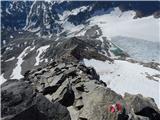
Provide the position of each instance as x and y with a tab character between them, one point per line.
45	17
119	39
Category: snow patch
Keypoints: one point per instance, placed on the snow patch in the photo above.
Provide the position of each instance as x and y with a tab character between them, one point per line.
67	13
2	79
27	20
7	11
72	29
34	29
4	42
10	59
20	32
9	48
11	37
16	74
40	51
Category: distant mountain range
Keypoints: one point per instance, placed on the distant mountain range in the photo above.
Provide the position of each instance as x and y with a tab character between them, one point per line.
47	17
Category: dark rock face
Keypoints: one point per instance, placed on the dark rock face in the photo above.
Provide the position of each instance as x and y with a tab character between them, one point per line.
143	106
21	102
150	113
31	113
143	102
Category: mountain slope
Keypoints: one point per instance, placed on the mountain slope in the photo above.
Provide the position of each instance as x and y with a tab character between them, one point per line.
49	44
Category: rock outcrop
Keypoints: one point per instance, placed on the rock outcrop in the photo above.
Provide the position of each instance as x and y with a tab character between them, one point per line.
46	94
21	102
143	106
77	48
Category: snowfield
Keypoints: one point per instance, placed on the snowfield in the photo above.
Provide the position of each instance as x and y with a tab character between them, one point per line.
16	74
118	23
123	76
139	49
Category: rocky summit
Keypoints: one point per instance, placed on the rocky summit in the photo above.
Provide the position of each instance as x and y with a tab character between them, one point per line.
65	91
80	60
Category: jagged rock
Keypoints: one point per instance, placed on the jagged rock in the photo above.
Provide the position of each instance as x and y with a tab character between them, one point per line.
55	79
50	89
78	94
76	48
64	94
93	32
71	72
93	74
60	91
138	102
21	102
136	117
153	65
79	104
150	113
96	104
61	65
91	71
78	88
40	72
76	80
143	106
68	98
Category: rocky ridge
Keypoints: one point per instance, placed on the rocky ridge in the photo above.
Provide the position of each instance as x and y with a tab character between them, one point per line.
74	91
53	87
65	49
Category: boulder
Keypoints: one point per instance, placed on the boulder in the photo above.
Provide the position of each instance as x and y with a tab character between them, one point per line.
21	102
143	106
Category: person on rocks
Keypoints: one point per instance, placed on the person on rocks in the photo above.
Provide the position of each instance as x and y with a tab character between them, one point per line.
120	109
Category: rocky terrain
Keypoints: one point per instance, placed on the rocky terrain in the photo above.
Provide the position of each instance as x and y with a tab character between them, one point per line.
73	60
35	51
64	91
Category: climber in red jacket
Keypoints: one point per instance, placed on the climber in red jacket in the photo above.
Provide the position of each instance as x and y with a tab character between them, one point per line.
120	108
116	107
